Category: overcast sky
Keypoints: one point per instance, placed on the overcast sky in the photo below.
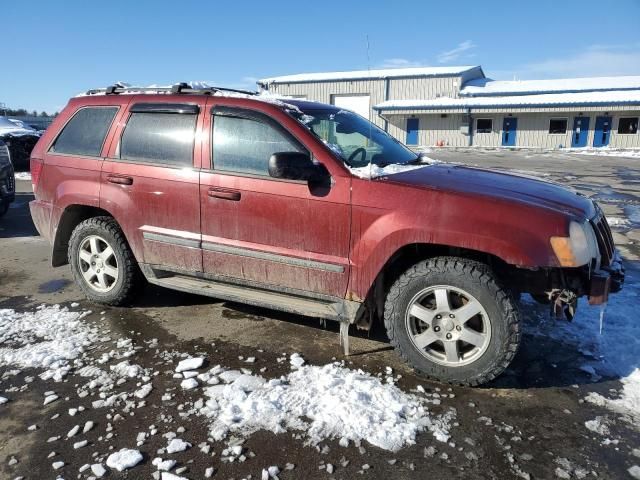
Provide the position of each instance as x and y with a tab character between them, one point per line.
53	50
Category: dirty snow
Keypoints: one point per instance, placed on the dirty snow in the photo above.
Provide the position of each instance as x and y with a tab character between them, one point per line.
328	401
48	338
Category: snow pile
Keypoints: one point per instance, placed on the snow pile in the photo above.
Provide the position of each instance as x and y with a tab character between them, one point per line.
614	353
23	175
324	402
605	152
48	338
374	171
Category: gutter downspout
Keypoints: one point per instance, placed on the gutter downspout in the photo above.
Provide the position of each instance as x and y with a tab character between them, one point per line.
387	88
470	127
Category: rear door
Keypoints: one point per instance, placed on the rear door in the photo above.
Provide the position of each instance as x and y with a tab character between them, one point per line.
266	231
150	182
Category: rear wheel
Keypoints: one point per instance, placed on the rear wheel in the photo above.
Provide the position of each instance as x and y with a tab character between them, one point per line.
450	319
102	262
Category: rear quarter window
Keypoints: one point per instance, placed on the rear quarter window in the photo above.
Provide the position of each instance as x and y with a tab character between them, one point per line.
84	134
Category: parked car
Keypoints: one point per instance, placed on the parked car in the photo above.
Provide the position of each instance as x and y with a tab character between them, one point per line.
20	139
7	179
251	199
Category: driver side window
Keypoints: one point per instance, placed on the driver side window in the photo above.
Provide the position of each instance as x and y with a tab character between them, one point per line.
244	145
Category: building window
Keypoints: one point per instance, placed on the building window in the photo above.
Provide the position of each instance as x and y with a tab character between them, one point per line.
628	125
165	138
558	125
85	132
484	125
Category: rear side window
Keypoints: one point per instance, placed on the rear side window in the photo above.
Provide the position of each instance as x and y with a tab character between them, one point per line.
84	134
244	145
165	138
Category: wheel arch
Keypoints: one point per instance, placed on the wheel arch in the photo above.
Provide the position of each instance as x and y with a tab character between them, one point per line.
410	254
69	220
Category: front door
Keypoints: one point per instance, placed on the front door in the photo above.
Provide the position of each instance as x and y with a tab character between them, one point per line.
580	132
264	231
151	186
602	132
509	129
412	131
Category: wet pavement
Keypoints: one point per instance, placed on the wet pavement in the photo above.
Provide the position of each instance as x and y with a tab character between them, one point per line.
529	423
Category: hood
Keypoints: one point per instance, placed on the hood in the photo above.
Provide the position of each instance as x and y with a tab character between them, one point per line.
499	185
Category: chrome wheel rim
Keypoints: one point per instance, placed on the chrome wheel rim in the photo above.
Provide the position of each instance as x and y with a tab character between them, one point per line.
448	325
98	264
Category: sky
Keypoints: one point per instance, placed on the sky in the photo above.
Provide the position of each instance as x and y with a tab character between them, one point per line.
56	49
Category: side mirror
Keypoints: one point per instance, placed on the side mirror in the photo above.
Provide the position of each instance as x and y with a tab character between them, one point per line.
295	166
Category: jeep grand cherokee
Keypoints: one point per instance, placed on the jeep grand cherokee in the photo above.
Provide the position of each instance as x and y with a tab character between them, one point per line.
251	199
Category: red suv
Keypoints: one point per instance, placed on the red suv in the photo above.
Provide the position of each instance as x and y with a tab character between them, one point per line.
251	199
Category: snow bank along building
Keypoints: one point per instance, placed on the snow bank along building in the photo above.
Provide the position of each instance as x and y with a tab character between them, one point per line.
459	106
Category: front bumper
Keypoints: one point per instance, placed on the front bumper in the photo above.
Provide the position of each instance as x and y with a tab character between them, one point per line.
606	280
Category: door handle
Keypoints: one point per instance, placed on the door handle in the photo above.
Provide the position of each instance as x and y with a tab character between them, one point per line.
224	194
119	180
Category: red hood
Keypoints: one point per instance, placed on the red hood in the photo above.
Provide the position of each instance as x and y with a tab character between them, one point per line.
499	185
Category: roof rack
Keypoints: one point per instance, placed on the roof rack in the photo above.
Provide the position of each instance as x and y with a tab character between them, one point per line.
182	88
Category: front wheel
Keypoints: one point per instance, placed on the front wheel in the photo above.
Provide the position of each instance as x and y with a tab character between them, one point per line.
451	320
102	262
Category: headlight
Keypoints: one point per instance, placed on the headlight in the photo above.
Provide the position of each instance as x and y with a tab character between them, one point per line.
578	248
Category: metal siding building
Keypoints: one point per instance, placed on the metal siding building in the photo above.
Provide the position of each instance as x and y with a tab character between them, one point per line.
444	104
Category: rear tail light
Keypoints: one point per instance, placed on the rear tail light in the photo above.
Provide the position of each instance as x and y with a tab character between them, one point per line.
36	170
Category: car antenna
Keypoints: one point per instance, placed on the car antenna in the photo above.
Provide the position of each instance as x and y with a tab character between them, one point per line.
369	112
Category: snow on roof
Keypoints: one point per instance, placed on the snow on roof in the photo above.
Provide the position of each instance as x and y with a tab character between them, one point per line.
486	86
631	97
369	74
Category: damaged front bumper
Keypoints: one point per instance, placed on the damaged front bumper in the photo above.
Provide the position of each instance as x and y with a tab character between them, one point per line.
606	280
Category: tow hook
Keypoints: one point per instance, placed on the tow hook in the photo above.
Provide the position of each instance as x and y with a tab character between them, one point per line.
563	302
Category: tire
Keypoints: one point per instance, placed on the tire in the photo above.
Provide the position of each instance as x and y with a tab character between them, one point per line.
495	330
120	274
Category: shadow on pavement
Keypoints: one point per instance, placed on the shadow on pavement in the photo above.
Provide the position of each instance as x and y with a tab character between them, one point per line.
17	222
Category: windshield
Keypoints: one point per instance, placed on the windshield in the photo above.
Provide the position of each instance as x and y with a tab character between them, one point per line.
355	139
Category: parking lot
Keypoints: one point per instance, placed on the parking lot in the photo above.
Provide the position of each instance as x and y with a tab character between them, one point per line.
549	416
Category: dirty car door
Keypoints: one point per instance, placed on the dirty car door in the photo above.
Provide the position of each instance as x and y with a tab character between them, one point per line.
263	230
151	186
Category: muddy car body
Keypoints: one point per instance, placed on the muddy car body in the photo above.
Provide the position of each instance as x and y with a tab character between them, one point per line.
263	201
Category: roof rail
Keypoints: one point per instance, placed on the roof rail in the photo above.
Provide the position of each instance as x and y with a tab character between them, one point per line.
178	88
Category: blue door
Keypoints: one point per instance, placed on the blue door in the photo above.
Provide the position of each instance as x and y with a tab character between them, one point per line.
580	132
509	128
602	132
412	131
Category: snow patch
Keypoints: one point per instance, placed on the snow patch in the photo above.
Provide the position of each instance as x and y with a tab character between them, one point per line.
324	402
374	171
124	459
48	338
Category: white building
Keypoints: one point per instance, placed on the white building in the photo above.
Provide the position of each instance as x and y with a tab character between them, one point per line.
459	106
